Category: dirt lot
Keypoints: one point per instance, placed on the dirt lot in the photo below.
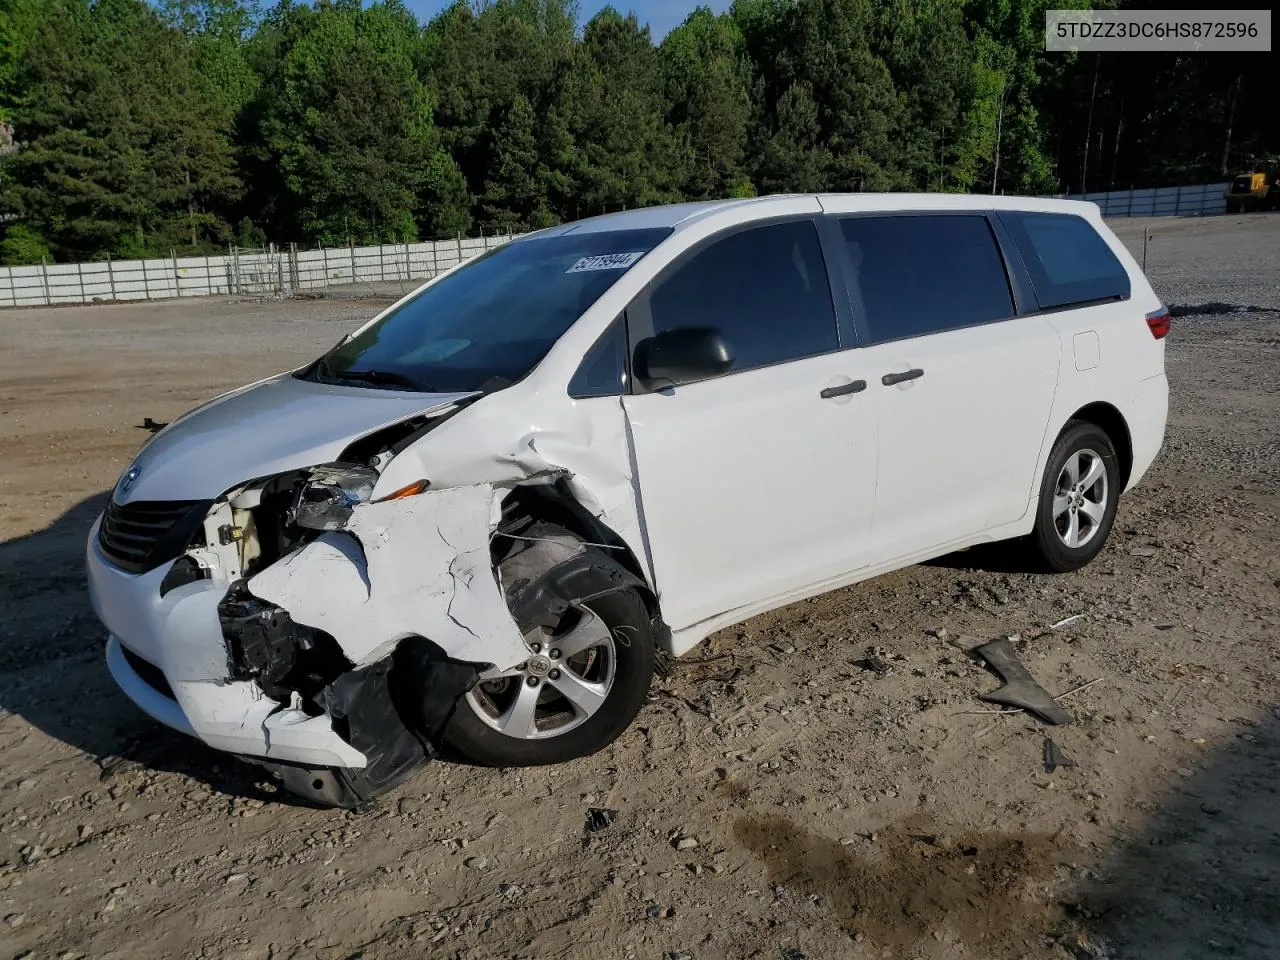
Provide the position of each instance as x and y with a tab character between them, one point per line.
836	812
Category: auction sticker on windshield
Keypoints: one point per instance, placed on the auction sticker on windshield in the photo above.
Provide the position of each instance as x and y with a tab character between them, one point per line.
606	261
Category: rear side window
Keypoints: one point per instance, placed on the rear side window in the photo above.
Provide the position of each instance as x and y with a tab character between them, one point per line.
1068	262
765	289
918	275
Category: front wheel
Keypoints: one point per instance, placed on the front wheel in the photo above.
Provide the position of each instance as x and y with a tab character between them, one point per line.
583	682
1077	498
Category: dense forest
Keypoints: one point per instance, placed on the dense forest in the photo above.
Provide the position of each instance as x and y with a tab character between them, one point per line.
130	129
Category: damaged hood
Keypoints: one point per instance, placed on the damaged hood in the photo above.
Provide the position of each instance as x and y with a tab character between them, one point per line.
279	424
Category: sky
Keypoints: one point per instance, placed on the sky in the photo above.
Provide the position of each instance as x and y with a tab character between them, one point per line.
661	15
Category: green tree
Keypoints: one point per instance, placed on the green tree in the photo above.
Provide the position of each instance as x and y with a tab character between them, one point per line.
346	120
446	208
20	21
22	246
123	147
708	95
513	195
627	155
791	158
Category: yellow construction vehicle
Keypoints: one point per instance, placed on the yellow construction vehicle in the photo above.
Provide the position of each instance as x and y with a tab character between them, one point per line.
1257	188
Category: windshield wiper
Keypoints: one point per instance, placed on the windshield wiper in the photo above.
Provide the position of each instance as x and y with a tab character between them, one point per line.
389	377
321	369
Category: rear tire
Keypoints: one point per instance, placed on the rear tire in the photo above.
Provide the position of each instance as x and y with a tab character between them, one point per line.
1078	497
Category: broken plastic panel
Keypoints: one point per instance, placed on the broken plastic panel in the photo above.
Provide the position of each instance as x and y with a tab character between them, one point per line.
1020	688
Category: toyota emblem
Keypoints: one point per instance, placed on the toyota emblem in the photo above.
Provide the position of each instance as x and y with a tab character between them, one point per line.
130	477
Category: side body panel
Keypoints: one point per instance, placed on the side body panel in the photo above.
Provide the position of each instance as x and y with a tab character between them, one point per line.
958	446
752	484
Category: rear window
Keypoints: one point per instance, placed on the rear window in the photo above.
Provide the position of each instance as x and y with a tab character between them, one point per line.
916	275
1068	262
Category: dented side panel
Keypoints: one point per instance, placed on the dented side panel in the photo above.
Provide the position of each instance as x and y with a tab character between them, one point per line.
525	432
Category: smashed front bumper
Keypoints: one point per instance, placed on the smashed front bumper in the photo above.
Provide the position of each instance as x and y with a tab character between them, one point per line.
360	729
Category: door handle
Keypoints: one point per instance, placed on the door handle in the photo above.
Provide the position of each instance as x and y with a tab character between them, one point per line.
854	386
889	379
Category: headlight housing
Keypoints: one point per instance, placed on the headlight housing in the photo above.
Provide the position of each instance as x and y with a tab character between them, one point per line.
326	499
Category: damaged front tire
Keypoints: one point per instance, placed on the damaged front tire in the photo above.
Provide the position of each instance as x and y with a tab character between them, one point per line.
591	644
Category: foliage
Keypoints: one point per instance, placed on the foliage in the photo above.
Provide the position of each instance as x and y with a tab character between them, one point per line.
188	124
22	247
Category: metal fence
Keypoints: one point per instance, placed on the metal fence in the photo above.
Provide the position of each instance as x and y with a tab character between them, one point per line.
264	272
1202	199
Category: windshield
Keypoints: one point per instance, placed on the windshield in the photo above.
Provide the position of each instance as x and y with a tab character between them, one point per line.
489	323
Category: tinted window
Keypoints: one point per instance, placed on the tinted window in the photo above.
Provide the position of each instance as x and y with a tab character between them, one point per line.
919	275
490	322
603	371
1068	262
765	289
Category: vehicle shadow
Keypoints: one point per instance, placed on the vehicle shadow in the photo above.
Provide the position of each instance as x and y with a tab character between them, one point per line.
1005	556
54	676
1202	877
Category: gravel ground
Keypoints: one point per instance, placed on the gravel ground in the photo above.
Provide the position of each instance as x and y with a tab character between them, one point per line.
777	799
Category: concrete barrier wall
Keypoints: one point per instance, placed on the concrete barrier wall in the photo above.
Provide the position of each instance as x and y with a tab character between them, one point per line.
271	271
276	271
1203	199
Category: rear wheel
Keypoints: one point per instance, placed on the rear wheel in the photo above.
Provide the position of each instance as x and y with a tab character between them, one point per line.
1078	498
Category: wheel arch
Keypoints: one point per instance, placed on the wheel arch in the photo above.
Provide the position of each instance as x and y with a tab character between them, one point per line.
555	503
1110	420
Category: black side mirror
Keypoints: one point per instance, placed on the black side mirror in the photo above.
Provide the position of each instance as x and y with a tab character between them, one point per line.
682	356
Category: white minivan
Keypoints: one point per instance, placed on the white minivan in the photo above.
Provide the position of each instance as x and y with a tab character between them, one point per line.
485	515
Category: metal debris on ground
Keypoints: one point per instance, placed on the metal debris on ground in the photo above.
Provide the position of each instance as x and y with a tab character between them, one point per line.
875	661
1020	688
1055	757
723	676
1066	621
598	818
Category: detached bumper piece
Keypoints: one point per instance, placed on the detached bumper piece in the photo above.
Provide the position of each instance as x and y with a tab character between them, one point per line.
394	711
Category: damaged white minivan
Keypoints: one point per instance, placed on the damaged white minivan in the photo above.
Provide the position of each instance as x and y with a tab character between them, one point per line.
482	518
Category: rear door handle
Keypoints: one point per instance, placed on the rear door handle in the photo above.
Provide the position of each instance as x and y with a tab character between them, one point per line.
853	386
889	379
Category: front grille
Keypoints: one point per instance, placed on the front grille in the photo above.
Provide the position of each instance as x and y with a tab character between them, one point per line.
1242	185
149	672
140	536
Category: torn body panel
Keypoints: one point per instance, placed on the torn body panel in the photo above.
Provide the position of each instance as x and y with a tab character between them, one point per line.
417	566
506	440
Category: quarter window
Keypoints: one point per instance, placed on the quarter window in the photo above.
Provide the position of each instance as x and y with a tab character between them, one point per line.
765	289
603	371
1068	262
916	275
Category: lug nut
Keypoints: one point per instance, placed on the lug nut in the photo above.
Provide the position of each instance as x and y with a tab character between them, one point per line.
532	681
554	675
555	654
535	647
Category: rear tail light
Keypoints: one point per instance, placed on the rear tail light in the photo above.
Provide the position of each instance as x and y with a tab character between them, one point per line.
1158	322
